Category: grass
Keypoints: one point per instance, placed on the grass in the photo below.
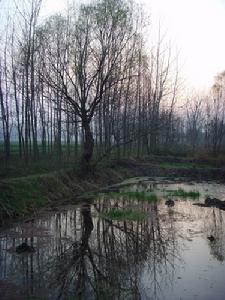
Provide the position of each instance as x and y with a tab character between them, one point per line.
187	165
124	214
182	193
45	163
22	196
140	196
17	167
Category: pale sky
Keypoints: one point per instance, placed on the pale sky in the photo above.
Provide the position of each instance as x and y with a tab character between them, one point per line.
195	27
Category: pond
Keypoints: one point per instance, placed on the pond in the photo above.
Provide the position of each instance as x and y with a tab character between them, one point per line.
127	244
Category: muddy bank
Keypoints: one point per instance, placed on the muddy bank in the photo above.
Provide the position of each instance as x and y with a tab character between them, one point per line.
174	167
26	195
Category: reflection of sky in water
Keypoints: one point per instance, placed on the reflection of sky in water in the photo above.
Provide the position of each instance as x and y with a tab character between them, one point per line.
167	256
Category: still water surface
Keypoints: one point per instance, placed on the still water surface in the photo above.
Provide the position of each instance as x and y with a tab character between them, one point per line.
79	254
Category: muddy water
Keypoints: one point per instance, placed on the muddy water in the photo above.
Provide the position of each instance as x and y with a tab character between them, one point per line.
79	254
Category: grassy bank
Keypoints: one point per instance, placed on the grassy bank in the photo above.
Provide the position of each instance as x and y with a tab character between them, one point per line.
26	195
21	196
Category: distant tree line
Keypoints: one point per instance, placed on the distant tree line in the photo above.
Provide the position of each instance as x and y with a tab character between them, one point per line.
88	83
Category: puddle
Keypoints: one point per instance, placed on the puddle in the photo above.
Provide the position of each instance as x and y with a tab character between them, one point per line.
80	253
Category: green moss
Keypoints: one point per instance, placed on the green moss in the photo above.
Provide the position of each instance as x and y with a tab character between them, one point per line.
124	214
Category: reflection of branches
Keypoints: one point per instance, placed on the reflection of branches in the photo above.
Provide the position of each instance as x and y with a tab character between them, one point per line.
74	263
149	241
97	258
216	228
108	262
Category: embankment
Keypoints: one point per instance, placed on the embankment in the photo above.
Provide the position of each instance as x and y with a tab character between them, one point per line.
26	195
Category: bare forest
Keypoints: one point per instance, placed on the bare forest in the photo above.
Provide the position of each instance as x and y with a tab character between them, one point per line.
85	85
112	165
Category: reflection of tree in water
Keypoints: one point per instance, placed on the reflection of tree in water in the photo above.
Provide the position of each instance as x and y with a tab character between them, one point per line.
95	258
216	228
117	260
72	264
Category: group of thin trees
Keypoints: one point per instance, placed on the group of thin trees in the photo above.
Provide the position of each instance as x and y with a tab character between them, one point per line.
89	83
205	121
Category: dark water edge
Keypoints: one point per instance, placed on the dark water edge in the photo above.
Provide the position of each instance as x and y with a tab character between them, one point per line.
79	254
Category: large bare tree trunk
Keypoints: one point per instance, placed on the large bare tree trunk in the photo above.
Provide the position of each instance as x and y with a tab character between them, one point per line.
88	147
